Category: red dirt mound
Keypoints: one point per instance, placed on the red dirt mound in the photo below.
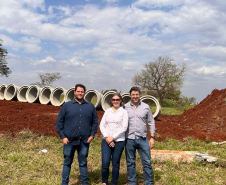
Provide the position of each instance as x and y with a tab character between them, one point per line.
206	120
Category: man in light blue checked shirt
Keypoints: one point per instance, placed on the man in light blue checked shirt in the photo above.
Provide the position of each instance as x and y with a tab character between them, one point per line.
136	137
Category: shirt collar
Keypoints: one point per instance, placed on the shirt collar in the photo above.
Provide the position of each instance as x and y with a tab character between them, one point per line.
83	102
137	105
120	108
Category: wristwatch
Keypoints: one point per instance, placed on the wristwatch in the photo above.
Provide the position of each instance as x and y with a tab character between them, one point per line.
153	137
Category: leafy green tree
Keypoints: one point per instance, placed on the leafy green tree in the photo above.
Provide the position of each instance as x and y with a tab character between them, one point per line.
47	79
161	76
4	69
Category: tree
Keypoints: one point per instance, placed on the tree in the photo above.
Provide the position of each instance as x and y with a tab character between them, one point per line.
162	76
47	79
4	69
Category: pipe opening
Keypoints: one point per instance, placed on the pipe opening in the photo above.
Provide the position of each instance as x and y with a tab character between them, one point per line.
105	102
21	95
70	95
33	94
10	92
2	90
126	97
44	96
94	97
58	96
153	104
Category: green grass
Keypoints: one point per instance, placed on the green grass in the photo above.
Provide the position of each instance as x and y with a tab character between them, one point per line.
22	164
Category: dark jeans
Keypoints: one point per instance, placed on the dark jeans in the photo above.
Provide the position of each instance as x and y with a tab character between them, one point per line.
69	151
143	148
108	154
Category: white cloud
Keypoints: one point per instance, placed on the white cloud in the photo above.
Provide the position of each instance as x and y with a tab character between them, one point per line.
61	63
111	1
29	44
157	3
212	70
47	60
113	39
72	62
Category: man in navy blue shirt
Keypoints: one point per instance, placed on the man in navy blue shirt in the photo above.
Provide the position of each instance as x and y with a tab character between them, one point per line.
76	125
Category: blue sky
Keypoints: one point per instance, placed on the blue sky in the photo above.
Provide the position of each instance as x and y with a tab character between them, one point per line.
103	43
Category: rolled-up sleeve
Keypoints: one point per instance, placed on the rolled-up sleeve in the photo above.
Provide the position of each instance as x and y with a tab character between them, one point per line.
151	121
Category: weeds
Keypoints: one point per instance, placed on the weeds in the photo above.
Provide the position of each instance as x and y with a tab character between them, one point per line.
22	164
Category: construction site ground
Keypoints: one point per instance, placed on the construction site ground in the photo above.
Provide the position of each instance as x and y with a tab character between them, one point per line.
205	121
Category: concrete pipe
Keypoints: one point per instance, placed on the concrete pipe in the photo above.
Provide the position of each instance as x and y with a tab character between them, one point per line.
2	90
126	97
32	94
57	97
70	94
44	96
94	97
105	102
11	92
150	99
21	94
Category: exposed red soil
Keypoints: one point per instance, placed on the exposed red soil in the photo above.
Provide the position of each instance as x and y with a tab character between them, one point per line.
205	120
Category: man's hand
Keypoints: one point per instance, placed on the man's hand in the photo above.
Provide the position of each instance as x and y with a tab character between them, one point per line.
65	140
90	139
109	139
151	143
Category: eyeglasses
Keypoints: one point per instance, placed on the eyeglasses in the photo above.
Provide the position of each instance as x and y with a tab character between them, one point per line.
115	99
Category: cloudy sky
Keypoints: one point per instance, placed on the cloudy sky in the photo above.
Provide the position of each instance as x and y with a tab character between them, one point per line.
103	43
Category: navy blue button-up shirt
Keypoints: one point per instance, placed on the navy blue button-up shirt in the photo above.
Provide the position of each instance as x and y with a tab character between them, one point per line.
77	121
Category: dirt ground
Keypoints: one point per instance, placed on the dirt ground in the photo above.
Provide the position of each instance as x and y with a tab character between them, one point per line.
205	120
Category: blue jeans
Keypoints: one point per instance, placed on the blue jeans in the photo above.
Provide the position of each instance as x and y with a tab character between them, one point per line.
142	146
69	151
109	153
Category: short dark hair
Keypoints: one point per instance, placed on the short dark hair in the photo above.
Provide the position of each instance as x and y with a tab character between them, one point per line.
80	85
134	89
119	95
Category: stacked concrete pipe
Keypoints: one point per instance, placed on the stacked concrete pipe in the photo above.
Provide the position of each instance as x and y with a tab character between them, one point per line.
126	97
55	96
32	94
70	94
21	94
90	94
44	96
105	102
2	90
11	92
147	99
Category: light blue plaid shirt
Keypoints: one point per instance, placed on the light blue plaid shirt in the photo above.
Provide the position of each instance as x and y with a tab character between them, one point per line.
138	116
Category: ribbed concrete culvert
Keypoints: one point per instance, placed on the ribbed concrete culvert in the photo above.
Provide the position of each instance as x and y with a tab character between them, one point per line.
2	90
57	97
94	97
70	95
32	94
11	92
21	94
149	100
44	96
105	102
126	97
